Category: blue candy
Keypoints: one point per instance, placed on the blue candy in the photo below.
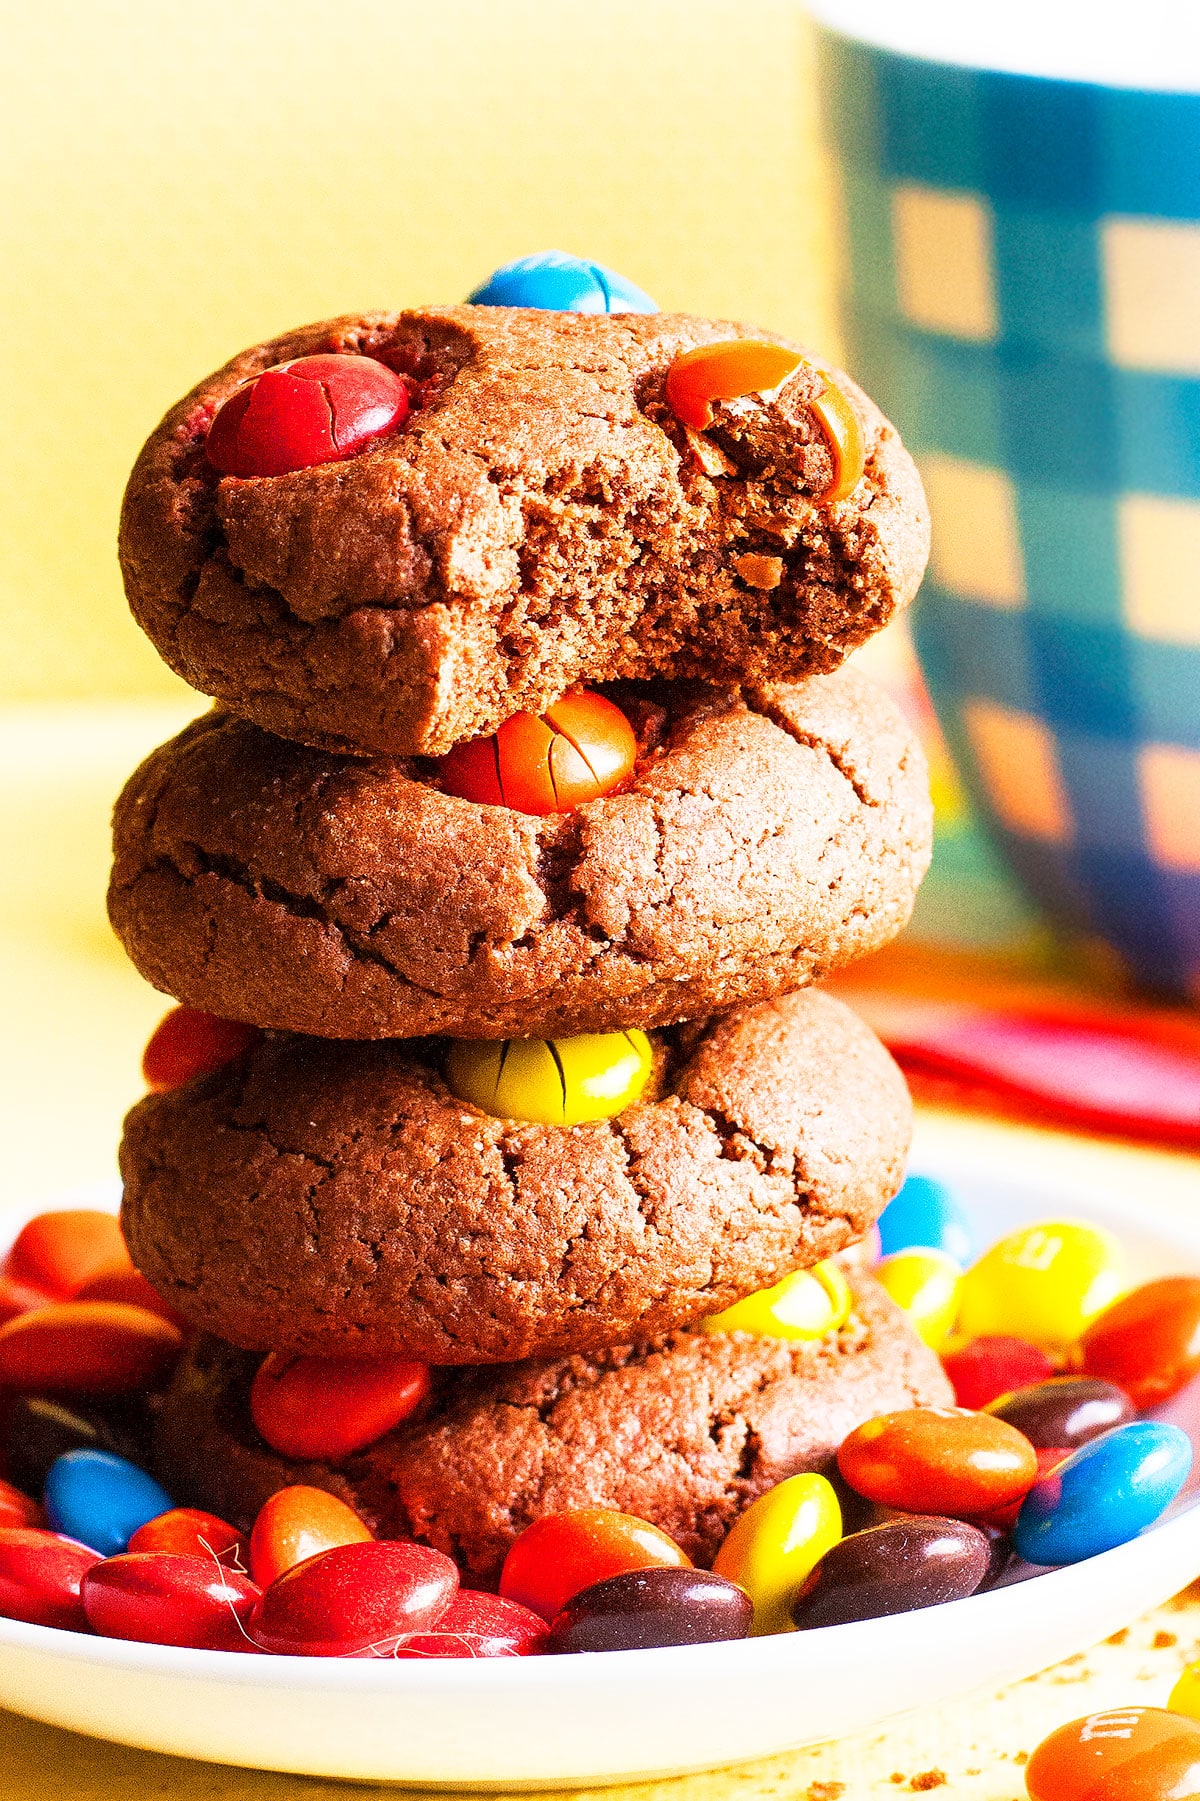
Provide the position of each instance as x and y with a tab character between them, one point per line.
926	1214
101	1499
556	282
1108	1492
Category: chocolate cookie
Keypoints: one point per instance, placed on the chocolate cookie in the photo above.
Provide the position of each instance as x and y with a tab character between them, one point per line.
540	518
770	838
336	1198
685	1432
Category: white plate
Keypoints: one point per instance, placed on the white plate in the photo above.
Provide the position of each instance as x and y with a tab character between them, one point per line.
576	1720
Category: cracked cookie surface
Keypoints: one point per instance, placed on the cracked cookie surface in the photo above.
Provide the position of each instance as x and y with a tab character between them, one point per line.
541	518
685	1431
334	1197
766	838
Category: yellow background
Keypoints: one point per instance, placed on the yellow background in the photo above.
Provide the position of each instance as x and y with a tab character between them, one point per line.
180	180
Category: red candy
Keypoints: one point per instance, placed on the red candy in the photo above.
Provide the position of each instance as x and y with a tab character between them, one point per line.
190	1532
562	1553
130	1287
166	1598
18	1509
188	1043
59	1252
580	748
939	1460
297	1523
315	409
480	1625
40	1574
331	1406
1128	1754
1148	1342
87	1348
355	1601
989	1367
17	1298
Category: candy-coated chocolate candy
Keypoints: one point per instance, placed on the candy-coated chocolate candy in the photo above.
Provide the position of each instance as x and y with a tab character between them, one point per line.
58	1252
299	1522
19	1509
480	1625
331	1406
1045	1283
926	1284
355	1601
771	1547
555	282
169	1598
807	1304
131	1288
896	1568
1104	1494
1003	1519
1185	1696
739	366
18	1297
87	1348
187	1043
40	1574
1148	1341
1066	1410
315	409
577	750
938	1460
644	1609
551	1082
994	1365
190	1532
1128	1754
564	1552
101	1500
926	1215
41	1428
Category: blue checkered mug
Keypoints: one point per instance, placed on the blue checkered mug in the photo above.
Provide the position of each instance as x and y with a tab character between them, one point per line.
1022	296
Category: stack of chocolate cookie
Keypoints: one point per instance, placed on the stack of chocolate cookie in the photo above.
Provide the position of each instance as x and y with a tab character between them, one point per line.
535	516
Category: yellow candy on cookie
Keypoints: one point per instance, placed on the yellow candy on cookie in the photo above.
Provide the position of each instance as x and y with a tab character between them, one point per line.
551	1081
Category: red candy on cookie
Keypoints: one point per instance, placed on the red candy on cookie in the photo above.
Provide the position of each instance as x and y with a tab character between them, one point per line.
577	750
316	409
331	1406
187	1043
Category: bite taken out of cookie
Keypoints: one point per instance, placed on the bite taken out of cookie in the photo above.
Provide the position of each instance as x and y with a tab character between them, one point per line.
431	520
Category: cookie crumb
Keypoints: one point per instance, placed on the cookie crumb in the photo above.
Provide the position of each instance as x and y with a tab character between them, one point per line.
1162	1641
826	1791
897	1776
928	1779
1021	1758
759	572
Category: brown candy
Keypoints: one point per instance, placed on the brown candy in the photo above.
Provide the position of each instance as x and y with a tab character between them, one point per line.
909	1563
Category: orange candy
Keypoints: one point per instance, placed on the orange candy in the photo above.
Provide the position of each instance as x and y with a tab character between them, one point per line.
59	1252
188	1043
1127	1754
331	1406
577	750
939	1460
563	1553
738	366
87	1348
300	1522
16	1297
190	1532
1148	1341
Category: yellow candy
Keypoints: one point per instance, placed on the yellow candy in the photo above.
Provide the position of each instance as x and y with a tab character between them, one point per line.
1185	1696
775	1544
927	1285
807	1304
1044	1283
551	1081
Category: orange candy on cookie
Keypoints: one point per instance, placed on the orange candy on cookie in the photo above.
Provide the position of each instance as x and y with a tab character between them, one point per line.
187	1043
579	749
